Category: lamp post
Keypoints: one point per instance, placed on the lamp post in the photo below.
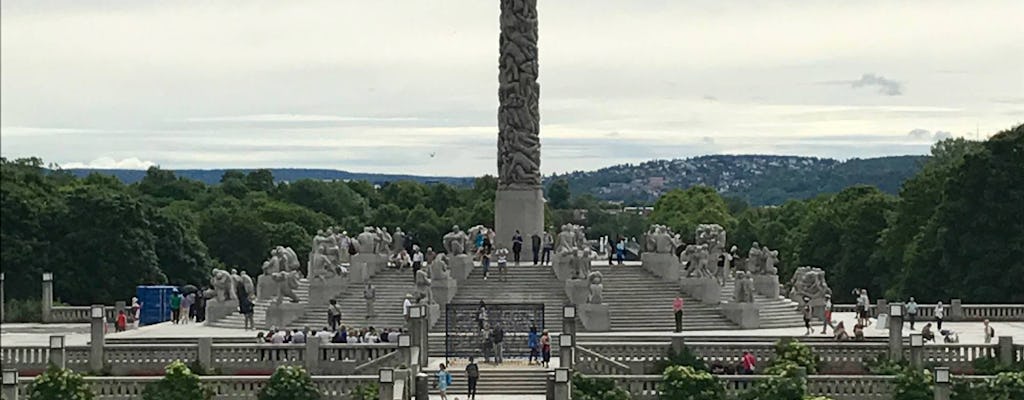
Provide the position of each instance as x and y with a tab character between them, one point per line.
96	337
47	300
916	351
896	331
566	347
562	388
942	383
386	381
10	384
569	319
57	352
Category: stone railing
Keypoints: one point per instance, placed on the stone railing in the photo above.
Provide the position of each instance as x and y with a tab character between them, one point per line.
234	387
838	387
589	361
78	314
954	311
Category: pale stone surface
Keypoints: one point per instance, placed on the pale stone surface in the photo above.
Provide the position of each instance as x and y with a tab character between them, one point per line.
283	314
596	288
518	97
444	290
746	315
323	290
664	265
595	317
223	285
266	287
519	209
577	290
217	309
706	290
461	266
767	285
809	282
456	242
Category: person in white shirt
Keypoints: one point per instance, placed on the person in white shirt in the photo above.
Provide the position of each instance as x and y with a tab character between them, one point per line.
278	337
940	313
417	260
405	306
298	337
324	335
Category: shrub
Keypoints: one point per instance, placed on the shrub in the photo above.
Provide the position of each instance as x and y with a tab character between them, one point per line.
1005	386
911	384
59	383
992	366
27	310
366	391
798	353
684	358
290	383
687	383
584	388
883	365
178	383
784	384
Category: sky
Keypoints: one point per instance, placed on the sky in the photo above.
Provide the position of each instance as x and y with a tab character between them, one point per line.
397	86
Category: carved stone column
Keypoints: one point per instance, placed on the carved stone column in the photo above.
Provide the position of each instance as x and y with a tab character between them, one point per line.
519	204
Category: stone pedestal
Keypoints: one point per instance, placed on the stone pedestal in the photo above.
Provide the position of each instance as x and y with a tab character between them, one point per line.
364	266
562	266
281	315
460	266
517	209
896	337
433	314
322	291
97	340
664	265
746	315
217	310
595	317
956	310
444	290
577	290
704	289
46	303
767	285
266	287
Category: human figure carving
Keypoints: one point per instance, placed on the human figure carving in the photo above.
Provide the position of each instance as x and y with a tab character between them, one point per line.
518	95
287	282
223	285
596	288
455	242
423	283
439	267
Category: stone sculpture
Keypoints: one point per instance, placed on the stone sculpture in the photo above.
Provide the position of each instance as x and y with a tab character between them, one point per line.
423	283
439	267
566	243
713	236
397	241
743	292
660	239
596	288
518	95
770	258
287	282
382	245
366	242
808	282
223	285
247	284
455	242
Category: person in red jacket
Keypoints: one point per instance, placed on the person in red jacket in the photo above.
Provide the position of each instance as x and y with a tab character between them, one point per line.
749	363
122	321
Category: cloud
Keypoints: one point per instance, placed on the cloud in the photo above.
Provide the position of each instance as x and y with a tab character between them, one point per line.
707	140
710	98
885	86
924	134
110	163
941	135
297	118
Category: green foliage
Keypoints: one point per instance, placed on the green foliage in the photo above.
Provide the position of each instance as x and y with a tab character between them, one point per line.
683	358
59	383
992	366
683	210
366	391
911	384
686	383
558	194
584	388
28	310
178	383
788	351
290	383
1004	386
785	383
883	365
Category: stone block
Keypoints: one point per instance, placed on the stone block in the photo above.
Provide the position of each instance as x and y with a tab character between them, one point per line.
363	266
444	290
321	291
433	314
706	290
562	266
766	285
595	317
217	310
517	209
577	290
461	266
283	314
664	265
746	315
266	287
956	310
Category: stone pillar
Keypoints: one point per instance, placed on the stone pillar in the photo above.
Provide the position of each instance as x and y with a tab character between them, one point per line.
916	351
96	337
942	388
1006	350
549	390
569	320
206	352
422	386
10	384
2	298
418	330
519	203
678	343
895	331
312	356
387	389
882	308
956	311
47	299
58	354
566	355
562	383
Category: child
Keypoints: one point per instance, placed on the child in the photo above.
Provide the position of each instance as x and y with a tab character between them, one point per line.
502	263
444	379
122	321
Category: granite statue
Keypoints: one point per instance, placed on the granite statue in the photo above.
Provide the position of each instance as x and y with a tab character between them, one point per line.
247	283
366	241
518	96
423	283
809	282
743	291
439	267
596	288
455	242
287	282
223	285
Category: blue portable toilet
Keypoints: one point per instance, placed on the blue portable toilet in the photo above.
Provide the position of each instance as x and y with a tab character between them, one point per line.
156	303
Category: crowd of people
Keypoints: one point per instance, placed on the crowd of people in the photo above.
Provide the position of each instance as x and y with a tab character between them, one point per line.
327	335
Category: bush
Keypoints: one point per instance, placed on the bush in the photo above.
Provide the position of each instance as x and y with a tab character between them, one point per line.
683	358
584	388
883	365
784	384
59	383
290	383
27	310
687	383
788	350
992	366
913	385
1005	386
178	383
366	391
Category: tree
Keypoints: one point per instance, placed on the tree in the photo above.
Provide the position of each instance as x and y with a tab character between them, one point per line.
59	383
686	383
683	210
558	194
584	388
260	180
178	383
182	255
290	383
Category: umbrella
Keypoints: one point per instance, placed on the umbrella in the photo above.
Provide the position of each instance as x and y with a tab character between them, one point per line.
189	289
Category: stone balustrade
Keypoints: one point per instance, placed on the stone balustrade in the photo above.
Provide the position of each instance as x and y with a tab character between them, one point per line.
956	311
838	387
78	314
233	387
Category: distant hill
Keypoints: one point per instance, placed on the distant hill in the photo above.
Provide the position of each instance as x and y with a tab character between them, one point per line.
212	176
758	179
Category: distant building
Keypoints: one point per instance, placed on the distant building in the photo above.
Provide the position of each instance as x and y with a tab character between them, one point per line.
642	211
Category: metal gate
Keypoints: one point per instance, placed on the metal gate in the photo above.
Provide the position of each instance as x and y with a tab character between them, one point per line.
467	328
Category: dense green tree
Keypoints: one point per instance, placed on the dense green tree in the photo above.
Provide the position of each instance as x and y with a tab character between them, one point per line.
683	210
335	199
558	194
182	255
235	236
260	180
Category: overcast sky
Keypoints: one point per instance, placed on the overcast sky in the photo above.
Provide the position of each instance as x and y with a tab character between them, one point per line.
411	86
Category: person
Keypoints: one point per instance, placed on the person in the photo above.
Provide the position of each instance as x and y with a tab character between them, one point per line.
533	342
677	309
828	315
333	314
370	295
472	375
503	264
175	306
863	308
417	260
479	239
136	308
535	243
429	256
298	337
497	339
545	348
325	336
405	306
402	260
122	322
186	307
858	332
485	255
912	312
940	313
990	332
517	247
806	310
280	336
840	332
481	315
749	363
549	244
247	309
193	311
444	379
611	252
620	250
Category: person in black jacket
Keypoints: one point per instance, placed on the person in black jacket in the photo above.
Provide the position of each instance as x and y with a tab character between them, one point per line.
472	375
497	337
517	246
535	241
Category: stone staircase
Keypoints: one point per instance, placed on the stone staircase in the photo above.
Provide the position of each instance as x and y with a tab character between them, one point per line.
779	312
259	316
640	301
525	284
522	382
391	284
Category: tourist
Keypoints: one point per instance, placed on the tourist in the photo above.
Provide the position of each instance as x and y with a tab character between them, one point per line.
926	332
371	336
485	337
186	307
333	314
417	260
806	310
481	315
840	332
122	322
298	337
620	250
472	375
863	308
502	264
749	363
175	306
545	348
517	247
324	335
444	379
611	251
677	309
402	260
485	255
405	306
279	336
247	309
533	342
498	337
940	313
858	332
828	315
990	332
340	336
370	295
136	309
479	239
549	244
912	312
535	243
